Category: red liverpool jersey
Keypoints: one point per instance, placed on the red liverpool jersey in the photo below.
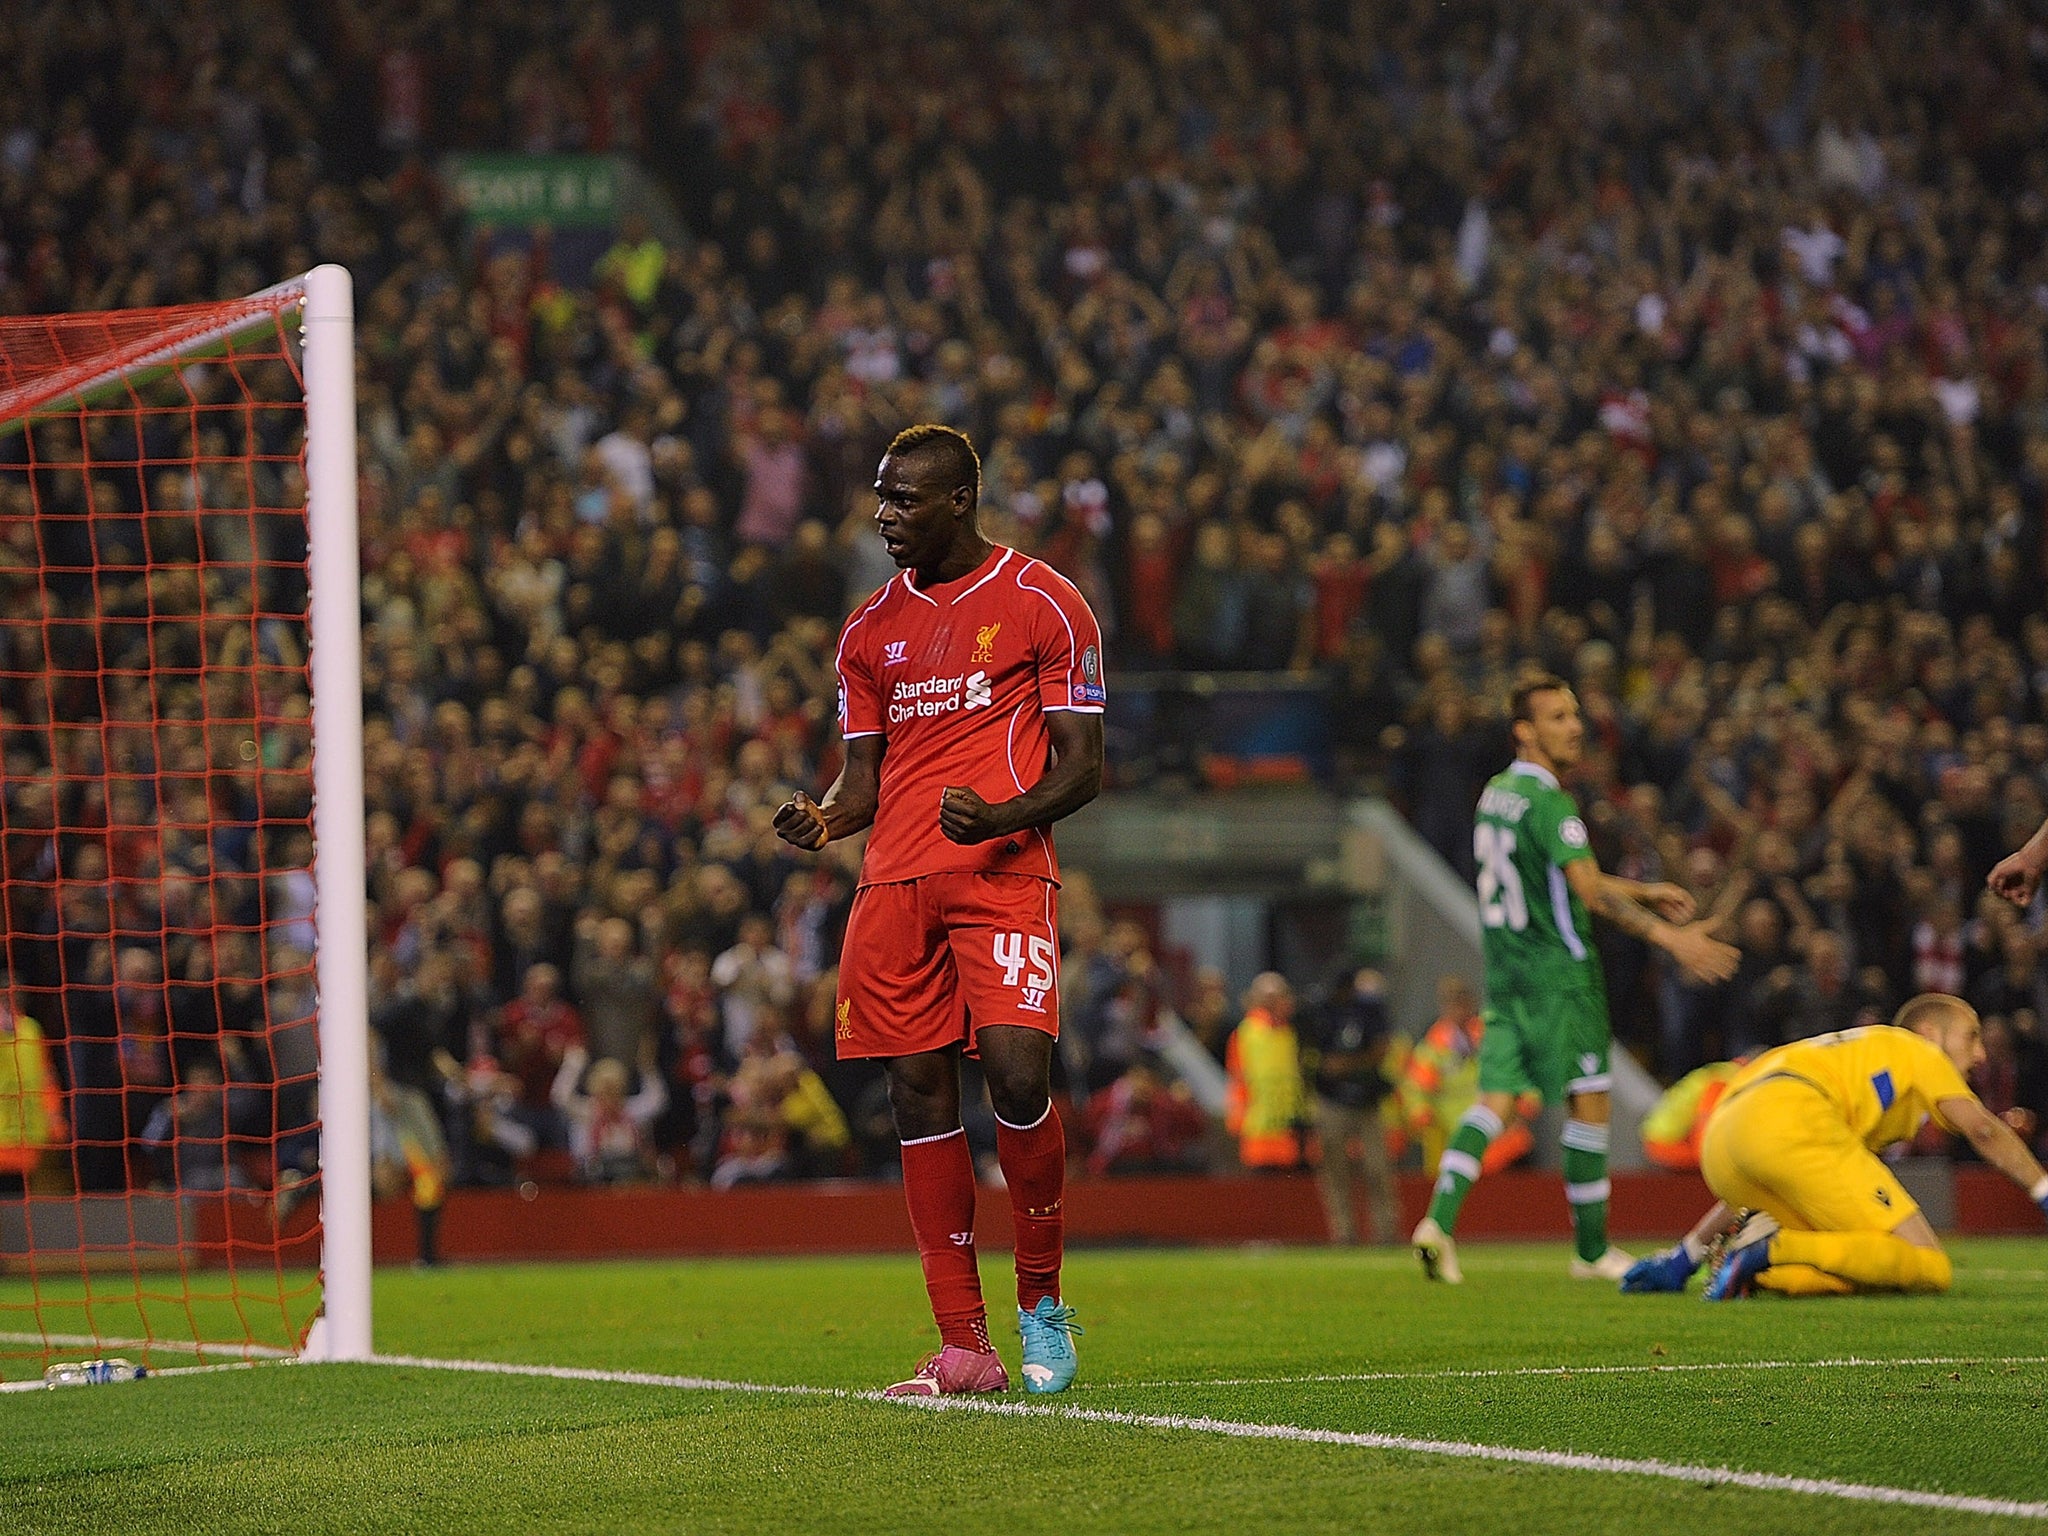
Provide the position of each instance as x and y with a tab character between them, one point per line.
958	680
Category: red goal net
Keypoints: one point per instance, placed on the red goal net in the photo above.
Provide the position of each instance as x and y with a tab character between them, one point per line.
159	1115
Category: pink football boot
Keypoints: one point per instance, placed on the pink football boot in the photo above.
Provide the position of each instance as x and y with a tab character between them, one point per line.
952	1370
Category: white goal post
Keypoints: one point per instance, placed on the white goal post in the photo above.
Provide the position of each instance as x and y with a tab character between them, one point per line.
341	959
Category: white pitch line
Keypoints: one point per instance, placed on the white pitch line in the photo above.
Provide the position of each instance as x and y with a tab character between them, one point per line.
169	1370
1567	1461
1844	1363
627	1378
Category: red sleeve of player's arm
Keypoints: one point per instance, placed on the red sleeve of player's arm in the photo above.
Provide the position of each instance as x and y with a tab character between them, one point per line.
860	701
1067	640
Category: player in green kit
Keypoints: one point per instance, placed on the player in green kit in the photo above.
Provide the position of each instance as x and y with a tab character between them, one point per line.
1546	1004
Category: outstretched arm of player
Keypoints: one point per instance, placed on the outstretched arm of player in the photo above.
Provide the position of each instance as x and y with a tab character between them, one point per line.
1074	779
1671	902
2018	874
1699	954
1993	1140
848	806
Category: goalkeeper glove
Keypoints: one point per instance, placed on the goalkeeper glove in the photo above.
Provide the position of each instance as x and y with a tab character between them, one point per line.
1666	1271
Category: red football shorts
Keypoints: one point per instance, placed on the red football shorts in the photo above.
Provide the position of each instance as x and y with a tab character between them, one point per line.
927	962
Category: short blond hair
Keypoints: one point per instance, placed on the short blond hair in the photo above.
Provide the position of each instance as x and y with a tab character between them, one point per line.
1934	1008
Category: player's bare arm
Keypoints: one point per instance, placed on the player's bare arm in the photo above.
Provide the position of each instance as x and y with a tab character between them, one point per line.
1669	901
1699	954
1994	1141
1074	779
2018	875
848	806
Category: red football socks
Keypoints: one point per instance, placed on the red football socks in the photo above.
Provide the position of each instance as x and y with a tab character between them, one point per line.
938	1183
1034	1161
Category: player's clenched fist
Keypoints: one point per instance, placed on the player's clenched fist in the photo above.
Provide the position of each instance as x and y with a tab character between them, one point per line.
967	818
800	822
2017	876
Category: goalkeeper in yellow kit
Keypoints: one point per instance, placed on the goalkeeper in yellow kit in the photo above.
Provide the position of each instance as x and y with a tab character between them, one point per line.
1794	1141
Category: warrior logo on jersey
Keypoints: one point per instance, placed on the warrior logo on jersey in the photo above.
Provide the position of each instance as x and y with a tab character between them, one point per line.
894	651
984	642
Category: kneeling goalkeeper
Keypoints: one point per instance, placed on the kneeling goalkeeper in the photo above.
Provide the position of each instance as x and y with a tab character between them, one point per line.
1794	1140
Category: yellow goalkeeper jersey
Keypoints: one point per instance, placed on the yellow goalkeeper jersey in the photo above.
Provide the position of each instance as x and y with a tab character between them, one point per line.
1885	1081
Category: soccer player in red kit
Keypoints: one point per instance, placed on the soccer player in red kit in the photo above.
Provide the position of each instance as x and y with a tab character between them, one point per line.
970	696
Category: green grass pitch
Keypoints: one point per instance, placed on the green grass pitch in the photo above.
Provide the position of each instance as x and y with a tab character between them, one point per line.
1235	1336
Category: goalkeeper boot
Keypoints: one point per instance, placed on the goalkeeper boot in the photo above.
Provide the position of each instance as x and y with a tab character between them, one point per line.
1748	1255
1611	1265
1439	1255
954	1370
1049	1359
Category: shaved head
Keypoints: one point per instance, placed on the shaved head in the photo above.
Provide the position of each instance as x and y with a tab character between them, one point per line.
1932	1012
1269	990
1948	1023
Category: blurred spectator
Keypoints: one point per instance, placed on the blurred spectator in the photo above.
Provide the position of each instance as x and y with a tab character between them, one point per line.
188	1134
1345	1056
610	1134
754	980
489	1130
1208	1012
1820	995
1141	1123
1267	1107
408	1154
1441	765
782	1121
621	1004
1116	1006
536	1030
427	1013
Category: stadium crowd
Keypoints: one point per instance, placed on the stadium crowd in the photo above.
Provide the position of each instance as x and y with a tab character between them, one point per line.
1694	353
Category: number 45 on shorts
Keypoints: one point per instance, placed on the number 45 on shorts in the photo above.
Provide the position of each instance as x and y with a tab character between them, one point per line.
1014	952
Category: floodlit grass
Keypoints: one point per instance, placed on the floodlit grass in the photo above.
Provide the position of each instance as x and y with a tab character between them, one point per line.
1225	1334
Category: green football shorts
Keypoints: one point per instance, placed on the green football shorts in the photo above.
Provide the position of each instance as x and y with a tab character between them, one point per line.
1553	1043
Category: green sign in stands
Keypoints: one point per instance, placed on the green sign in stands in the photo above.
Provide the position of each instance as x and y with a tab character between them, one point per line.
523	191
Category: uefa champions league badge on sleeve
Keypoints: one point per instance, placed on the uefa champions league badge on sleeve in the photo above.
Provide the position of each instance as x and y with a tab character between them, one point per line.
1572	832
1090	690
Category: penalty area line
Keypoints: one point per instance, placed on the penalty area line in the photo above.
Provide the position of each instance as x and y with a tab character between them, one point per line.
1563	1461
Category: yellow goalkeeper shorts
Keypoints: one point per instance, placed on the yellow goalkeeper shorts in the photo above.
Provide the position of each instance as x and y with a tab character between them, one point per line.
1781	1146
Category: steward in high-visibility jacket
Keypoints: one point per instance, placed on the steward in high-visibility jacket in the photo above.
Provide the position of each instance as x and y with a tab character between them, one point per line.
1677	1122
1440	1079
31	1112
1267	1104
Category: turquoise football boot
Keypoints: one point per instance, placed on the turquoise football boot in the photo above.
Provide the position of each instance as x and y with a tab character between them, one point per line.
1049	1360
